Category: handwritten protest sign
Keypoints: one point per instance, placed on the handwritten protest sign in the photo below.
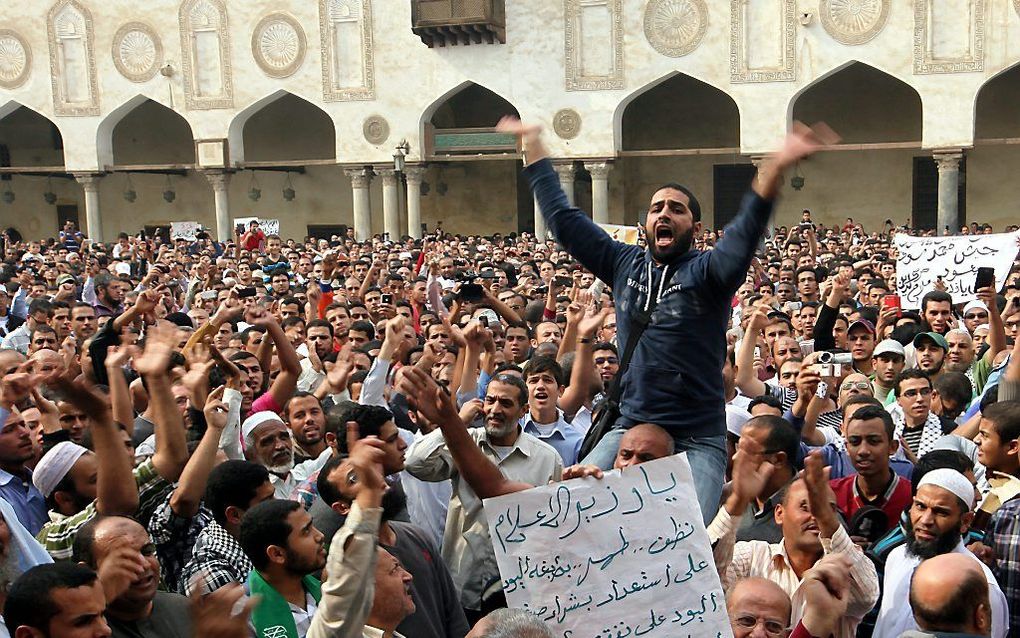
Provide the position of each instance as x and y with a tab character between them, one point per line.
184	230
922	260
627	555
626	234
268	226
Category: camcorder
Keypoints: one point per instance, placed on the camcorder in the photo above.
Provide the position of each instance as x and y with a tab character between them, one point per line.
830	364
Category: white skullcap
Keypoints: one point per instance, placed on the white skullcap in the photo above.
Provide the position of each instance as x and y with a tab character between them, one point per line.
959	331
257	419
122	268
54	466
952	481
977	303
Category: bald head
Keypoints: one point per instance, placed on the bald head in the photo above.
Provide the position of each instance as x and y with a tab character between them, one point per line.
949	593
760	598
642	443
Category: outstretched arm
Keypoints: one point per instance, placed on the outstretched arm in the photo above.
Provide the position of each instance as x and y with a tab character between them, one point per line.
484	477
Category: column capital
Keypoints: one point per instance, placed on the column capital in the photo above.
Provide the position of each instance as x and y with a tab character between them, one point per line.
564	169
217	179
415	172
758	160
947	159
388	175
599	169
360	177
89	181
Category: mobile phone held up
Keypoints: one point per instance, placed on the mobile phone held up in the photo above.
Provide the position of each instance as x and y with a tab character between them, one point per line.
984	278
893	301
471	292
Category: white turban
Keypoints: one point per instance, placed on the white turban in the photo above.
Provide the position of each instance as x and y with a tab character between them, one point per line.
952	481
54	466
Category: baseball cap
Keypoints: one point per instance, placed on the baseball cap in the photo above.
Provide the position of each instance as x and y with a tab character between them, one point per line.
939	340
889	346
870	327
65	279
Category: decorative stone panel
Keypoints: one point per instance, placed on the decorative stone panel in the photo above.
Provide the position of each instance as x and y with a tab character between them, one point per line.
137	51
927	21
348	65
674	28
72	59
567	123
741	69
853	21
278	45
15	59
593	44
205	55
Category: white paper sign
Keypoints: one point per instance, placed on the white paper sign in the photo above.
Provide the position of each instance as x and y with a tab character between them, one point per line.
268	226
184	230
627	555
922	260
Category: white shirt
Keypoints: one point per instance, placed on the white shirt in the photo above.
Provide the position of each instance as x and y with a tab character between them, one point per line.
895	615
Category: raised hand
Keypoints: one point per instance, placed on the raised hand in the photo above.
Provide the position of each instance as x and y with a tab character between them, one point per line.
215	410
821	499
337	374
160	342
432	402
366	456
217	615
121	566
751	472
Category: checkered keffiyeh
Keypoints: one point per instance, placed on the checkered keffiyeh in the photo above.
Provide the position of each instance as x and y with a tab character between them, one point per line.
1003	535
217	561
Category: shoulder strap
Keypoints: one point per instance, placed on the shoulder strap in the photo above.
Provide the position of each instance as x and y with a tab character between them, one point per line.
638	323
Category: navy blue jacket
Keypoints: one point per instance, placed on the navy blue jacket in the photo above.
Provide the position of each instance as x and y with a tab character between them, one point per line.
675	376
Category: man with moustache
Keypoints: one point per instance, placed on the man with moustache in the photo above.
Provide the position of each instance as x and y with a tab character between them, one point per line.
437	612
940	515
467	549
681	295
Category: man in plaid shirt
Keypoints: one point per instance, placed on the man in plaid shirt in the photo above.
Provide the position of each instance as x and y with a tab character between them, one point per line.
218	560
998	449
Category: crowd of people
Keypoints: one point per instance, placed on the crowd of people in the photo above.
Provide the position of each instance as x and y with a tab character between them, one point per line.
283	438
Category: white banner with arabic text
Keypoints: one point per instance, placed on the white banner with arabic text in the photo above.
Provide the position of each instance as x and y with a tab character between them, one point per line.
627	555
922	260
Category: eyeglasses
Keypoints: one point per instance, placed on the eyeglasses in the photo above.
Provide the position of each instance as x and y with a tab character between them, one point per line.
910	394
772	627
859	385
604	360
975	315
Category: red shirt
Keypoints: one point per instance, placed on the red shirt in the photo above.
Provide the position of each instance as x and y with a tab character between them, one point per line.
253	240
896	499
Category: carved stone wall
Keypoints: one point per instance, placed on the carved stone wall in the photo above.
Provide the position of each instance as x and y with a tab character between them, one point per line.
278	45
72	59
137	51
674	28
593	44
348	64
742	68
15	59
932	21
853	21
205	55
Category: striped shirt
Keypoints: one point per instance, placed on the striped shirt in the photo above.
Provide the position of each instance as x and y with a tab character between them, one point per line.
58	535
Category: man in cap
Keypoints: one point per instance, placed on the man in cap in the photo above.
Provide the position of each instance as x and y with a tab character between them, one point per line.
930	350
887	361
940	515
269	442
860	338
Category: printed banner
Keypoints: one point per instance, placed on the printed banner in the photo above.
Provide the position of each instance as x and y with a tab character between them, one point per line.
268	226
184	230
626	234
922	260
627	555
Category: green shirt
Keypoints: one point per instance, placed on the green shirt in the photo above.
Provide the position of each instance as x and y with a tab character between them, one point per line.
58	535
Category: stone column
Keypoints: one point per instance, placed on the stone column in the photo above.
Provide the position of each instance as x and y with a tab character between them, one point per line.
93	217
360	180
948	162
219	181
540	230
565	171
391	202
599	190
414	175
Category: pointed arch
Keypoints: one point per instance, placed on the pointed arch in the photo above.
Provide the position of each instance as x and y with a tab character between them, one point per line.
143	130
467	105
863	103
992	117
309	132
31	138
716	111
